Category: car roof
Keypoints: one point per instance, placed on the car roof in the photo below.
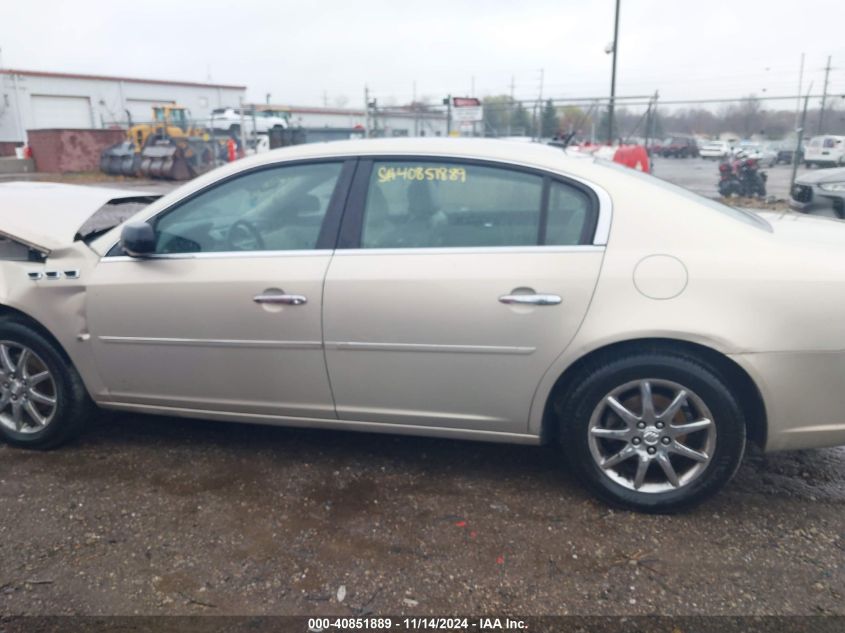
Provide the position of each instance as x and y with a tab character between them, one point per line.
537	154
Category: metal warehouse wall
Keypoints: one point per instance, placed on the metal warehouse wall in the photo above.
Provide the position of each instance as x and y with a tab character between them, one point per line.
391	121
32	101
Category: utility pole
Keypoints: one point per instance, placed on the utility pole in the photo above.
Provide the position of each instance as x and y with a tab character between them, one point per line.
510	107
416	113
366	112
649	113
824	96
798	98
799	139
654	115
537	106
448	103
614	51
472	94
243	128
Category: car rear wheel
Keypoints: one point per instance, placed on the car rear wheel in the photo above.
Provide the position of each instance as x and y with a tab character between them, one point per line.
654	432
43	402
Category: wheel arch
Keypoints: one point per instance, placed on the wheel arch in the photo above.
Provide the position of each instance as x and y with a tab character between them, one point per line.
741	382
8	312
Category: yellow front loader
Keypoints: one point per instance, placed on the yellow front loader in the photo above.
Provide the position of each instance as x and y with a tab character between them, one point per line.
168	147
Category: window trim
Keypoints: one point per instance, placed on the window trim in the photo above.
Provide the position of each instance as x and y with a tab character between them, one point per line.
595	232
326	238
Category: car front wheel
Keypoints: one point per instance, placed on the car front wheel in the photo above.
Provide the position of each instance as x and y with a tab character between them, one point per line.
43	402
654	432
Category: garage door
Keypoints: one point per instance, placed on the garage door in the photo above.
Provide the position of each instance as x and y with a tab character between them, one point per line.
142	109
50	111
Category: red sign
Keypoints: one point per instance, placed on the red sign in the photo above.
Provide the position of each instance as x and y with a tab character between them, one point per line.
466	102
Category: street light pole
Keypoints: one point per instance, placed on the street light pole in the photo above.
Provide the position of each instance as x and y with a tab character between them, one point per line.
613	76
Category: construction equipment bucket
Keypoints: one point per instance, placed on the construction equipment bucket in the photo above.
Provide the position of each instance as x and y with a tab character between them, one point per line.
119	159
163	159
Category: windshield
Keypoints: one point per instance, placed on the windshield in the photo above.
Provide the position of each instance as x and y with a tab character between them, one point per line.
741	215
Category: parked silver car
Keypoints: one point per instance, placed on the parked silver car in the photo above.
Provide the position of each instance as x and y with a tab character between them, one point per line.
820	192
471	289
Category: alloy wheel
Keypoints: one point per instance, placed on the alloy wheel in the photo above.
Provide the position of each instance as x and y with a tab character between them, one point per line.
28	395
652	436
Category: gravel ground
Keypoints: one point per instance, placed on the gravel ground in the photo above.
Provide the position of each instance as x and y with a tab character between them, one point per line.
150	515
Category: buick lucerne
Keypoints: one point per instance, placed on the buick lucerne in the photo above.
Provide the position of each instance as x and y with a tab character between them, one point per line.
469	289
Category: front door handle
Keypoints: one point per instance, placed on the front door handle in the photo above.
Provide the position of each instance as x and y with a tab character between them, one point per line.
281	299
530	299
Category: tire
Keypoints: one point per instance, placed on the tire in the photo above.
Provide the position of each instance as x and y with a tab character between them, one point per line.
729	188
71	408
585	410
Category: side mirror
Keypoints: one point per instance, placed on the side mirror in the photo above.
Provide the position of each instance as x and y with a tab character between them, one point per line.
138	239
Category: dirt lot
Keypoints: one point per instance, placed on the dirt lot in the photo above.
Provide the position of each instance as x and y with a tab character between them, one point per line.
154	515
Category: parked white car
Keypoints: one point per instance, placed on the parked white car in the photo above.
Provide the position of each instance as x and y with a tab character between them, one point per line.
714	149
254	121
470	289
825	151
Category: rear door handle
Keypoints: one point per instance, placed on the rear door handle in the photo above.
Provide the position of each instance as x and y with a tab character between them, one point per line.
288	300
530	299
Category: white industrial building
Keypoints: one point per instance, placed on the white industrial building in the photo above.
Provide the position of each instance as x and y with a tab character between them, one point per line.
391	121
33	100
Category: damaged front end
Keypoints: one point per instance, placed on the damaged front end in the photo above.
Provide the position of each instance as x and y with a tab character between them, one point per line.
37	218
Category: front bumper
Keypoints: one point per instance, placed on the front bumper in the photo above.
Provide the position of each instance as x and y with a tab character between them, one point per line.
810	198
804	397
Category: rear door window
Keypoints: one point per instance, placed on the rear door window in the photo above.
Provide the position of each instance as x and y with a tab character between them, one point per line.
430	204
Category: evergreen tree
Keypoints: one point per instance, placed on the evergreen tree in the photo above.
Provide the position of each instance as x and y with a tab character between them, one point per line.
521	121
549	123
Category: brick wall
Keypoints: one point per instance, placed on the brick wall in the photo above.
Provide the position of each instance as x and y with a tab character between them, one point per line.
70	150
7	148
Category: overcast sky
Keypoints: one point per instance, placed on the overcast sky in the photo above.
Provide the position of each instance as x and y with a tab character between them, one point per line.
314	51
